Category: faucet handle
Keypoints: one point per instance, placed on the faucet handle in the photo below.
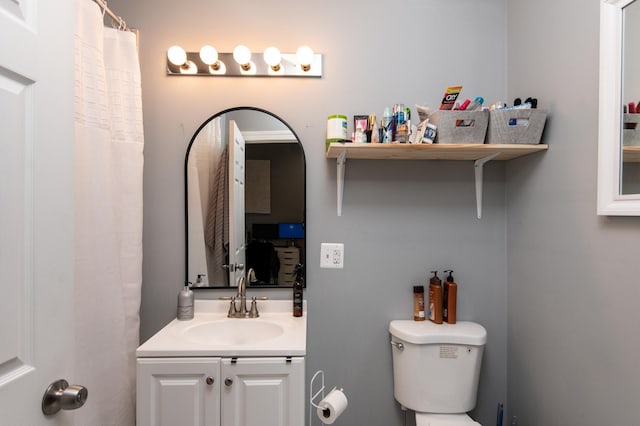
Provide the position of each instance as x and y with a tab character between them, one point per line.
253	313
232	308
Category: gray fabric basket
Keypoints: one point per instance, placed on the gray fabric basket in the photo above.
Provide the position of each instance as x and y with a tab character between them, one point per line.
516	126
631	137
465	127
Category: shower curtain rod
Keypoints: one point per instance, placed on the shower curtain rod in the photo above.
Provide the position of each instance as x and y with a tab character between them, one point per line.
118	20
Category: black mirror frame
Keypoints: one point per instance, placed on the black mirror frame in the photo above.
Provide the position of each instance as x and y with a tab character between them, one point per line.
186	188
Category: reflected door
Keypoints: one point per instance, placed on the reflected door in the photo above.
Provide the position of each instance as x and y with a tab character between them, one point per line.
237	244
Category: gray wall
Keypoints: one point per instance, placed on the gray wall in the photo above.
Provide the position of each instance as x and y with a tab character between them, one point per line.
573	276
400	219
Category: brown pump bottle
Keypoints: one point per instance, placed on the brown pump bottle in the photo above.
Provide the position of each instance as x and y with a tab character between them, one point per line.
435	298
450	299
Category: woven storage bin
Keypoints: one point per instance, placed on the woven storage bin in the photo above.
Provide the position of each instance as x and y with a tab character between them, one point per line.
631	130
467	127
519	126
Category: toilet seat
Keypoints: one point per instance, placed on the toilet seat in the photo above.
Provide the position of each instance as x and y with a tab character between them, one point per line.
431	419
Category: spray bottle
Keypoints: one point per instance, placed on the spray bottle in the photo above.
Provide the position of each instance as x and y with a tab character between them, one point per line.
298	285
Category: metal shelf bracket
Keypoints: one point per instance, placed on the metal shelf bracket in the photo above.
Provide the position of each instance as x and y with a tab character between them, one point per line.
340	162
479	168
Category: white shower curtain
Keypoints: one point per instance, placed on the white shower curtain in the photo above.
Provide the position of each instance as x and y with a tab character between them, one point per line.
108	216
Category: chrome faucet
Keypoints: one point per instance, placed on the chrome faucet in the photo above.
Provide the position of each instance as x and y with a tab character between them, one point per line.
242	297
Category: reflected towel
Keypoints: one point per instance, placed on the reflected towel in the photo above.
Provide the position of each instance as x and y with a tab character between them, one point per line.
217	225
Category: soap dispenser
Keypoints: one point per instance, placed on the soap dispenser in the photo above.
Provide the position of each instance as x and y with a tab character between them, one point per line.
435	298
450	296
185	303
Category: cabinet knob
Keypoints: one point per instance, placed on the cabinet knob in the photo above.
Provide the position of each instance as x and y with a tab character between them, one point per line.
210	380
228	381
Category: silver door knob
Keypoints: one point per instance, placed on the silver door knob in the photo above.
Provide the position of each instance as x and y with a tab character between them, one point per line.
60	396
210	380
228	381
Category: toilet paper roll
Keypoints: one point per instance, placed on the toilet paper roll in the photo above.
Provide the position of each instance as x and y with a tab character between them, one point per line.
332	406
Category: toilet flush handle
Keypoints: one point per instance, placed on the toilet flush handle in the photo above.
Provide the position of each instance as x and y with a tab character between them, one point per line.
398	345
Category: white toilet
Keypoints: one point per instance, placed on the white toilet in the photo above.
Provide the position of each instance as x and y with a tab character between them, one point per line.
436	368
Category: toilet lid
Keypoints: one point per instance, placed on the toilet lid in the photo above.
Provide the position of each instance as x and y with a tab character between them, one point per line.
430	419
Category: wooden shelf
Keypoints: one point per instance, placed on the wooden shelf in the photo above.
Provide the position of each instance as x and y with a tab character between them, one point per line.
631	154
479	153
368	151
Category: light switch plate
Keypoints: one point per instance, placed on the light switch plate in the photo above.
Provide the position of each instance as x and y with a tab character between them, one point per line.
332	255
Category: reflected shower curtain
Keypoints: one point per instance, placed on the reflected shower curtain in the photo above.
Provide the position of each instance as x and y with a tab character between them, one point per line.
108	216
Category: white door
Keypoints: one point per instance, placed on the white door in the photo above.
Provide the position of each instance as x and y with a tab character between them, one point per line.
36	205
237	246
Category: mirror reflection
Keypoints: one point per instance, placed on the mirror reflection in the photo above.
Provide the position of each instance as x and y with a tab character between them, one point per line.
630	169
270	240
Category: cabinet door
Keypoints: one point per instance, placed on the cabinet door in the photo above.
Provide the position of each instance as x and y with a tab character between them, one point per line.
263	392
178	391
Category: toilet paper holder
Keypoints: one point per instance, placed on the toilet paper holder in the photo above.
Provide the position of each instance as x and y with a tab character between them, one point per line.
315	395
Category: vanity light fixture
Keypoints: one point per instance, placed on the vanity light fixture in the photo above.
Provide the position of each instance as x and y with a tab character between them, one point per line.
304	54
178	57
273	57
209	62
242	55
209	55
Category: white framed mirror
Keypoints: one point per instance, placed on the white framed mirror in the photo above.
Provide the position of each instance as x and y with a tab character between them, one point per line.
618	142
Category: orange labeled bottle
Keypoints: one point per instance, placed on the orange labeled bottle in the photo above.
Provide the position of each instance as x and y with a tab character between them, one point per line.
418	303
435	298
450	299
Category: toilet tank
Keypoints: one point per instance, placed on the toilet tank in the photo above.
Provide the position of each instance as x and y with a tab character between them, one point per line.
436	367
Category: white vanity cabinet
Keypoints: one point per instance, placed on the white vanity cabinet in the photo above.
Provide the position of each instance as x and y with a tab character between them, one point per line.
215	391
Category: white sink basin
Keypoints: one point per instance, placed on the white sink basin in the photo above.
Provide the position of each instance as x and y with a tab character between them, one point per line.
275	333
246	331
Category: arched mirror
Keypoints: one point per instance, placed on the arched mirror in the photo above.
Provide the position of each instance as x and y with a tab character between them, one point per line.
619	131
245	183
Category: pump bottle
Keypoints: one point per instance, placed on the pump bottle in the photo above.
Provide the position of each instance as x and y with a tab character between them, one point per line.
450	297
185	303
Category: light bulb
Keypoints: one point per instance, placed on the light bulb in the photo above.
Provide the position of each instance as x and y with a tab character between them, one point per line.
272	57
305	57
177	55
209	55
242	55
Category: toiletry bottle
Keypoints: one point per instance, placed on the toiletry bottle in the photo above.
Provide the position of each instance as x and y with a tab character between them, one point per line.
360	134
475	104
435	298
450	299
418	303
375	133
387	123
298	284
185	303
199	281
373	128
